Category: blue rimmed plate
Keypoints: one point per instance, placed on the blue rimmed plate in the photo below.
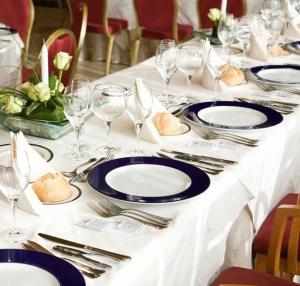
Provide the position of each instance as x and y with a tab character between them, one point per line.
232	115
148	180
286	74
36	268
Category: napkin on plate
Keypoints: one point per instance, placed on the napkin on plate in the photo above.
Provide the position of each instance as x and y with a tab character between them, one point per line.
210	68
259	41
38	166
293	21
142	94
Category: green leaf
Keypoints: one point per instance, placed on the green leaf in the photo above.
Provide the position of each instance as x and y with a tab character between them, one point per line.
34	78
32	107
52	81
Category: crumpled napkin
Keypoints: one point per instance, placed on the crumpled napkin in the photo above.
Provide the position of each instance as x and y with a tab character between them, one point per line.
259	41
293	21
210	69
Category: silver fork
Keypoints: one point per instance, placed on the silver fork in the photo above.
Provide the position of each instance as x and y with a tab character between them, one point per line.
146	215
210	135
73	173
107	213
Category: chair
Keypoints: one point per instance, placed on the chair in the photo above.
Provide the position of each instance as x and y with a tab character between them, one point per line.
284	215
236	7
265	239
78	17
98	22
19	14
157	20
61	40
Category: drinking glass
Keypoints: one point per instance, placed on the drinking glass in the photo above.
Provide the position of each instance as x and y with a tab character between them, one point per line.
109	103
139	109
14	179
165	61
271	9
189	61
227	31
243	35
77	104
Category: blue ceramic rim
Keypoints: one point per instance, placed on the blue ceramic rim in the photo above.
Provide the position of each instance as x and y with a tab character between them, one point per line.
64	272
257	69
273	117
199	179
295	45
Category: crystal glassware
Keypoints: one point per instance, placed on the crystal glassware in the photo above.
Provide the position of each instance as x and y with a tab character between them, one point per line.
109	103
189	61
139	108
227	31
77	105
165	61
14	179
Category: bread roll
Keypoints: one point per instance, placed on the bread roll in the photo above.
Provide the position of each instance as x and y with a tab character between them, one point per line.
166	123
232	75
276	51
52	187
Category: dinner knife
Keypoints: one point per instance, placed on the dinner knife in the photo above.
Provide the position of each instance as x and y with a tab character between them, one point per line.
99	251
196	160
201	157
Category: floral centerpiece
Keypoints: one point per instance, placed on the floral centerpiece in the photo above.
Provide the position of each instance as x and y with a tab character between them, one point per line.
214	15
36	103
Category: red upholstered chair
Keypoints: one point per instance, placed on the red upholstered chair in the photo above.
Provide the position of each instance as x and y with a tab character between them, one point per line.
98	22
18	14
78	17
266	238
284	215
157	20
236	7
62	40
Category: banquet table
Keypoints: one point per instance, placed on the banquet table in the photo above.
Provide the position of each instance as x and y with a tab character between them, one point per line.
209	231
10	58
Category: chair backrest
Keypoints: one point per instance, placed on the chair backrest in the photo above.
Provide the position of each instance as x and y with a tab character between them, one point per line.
236	7
78	17
286	215
157	15
62	40
18	14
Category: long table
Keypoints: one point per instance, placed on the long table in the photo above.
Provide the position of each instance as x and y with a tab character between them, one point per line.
209	231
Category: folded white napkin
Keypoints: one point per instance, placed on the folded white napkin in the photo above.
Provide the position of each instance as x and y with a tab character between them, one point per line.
38	166
210	69
142	94
259	41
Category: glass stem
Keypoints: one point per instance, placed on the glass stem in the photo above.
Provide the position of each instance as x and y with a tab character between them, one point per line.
13	203
139	127
244	55
228	54
77	135
189	83
107	131
165	96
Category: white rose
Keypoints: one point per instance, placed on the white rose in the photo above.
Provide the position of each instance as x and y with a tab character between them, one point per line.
62	61
25	86
214	14
13	105
42	91
32	93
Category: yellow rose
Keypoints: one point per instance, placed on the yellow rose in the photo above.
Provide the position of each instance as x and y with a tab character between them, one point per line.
13	105
42	91
214	14
32	93
25	86
62	61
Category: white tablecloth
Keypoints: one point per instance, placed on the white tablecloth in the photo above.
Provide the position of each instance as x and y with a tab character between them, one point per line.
196	246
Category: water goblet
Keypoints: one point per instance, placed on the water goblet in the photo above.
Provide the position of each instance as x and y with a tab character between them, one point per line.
109	103
14	179
77	102
165	61
189	61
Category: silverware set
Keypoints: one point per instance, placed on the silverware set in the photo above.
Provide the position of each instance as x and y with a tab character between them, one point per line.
210	165
107	209
282	107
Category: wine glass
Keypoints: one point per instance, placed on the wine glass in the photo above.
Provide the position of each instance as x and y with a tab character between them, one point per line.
14	179
109	103
139	109
270	9
189	61
77	104
165	61
227	31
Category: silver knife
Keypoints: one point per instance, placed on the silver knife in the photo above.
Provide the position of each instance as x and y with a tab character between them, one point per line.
99	251
196	160
79	254
201	157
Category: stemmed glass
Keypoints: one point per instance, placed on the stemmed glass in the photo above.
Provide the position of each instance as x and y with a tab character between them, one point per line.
189	61
109	103
165	61
139	108
77	102
227	30
14	179
243	35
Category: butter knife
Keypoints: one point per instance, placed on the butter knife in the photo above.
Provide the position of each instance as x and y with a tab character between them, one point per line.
99	251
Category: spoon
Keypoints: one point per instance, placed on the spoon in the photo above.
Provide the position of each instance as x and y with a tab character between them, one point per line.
74	172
